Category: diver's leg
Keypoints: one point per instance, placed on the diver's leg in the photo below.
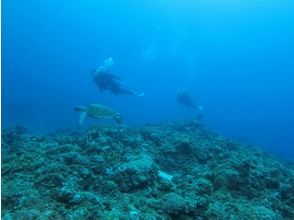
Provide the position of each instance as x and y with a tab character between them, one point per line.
125	91
128	92
116	89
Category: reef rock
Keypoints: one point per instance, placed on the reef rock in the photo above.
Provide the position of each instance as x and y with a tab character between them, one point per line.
178	170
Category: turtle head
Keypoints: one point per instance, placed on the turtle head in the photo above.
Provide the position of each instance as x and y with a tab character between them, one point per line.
80	109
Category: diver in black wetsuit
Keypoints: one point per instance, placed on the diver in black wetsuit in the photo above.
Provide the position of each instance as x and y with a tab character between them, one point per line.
107	81
185	99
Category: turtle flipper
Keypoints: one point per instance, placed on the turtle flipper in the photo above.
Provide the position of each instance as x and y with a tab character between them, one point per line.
82	117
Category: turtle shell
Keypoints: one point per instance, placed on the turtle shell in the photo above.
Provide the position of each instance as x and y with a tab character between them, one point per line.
100	111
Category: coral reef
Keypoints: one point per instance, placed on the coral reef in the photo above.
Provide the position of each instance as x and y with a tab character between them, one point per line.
177	170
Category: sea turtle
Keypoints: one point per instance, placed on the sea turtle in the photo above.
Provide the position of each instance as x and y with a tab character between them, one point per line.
97	111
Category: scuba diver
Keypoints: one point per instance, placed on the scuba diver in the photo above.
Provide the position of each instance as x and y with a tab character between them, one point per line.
107	81
185	99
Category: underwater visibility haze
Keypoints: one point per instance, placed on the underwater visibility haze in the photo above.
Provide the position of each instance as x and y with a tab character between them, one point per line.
147	109
234	57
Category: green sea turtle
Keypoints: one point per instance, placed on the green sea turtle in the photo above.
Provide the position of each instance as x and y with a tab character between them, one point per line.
97	111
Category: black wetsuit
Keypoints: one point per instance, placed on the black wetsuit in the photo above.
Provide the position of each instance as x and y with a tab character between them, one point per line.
185	99
108	81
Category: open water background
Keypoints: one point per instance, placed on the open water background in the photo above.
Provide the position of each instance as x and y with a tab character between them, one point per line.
236	58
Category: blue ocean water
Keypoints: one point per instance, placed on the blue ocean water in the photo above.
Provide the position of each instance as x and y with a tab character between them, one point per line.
236	58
